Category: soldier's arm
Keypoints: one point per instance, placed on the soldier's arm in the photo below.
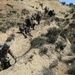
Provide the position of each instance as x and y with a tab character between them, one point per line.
10	52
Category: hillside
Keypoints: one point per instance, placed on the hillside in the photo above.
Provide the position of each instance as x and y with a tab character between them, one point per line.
32	62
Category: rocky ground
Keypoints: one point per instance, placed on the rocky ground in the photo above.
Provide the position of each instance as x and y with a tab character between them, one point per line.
44	59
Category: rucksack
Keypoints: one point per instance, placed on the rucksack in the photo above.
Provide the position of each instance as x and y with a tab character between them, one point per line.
28	21
39	15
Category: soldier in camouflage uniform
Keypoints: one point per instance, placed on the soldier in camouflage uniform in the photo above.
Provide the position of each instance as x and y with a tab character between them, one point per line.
46	10
4	50
38	17
24	29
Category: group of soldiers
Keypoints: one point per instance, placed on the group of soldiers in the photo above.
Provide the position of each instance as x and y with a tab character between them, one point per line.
24	29
32	21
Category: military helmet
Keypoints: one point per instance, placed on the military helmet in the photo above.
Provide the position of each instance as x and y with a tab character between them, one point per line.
6	45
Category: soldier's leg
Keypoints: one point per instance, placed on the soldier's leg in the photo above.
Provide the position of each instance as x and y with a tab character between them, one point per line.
38	20
29	33
2	63
24	34
6	63
33	26
44	14
27	30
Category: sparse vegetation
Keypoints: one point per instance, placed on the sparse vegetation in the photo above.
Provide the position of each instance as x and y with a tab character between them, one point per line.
63	3
10	5
57	19
60	20
72	10
60	45
47	71
71	4
3	29
66	15
25	11
9	14
46	55
10	38
37	42
43	50
73	47
73	15
63	33
71	70
13	11
1	15
52	35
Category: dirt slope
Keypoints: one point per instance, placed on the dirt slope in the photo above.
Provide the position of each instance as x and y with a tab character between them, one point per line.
25	65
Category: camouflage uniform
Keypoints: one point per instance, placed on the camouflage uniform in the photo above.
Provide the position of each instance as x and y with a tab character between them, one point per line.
51	13
28	21
24	29
46	10
38	17
34	16
3	54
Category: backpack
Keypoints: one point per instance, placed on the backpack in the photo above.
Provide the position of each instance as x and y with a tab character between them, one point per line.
39	15
28	21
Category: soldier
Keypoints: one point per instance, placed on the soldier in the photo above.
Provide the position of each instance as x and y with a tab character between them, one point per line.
46	10
4	50
31	21
51	13
24	29
38	17
27	30
28	21
21	28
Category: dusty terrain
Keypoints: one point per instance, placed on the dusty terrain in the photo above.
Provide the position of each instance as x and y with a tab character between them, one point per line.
35	65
